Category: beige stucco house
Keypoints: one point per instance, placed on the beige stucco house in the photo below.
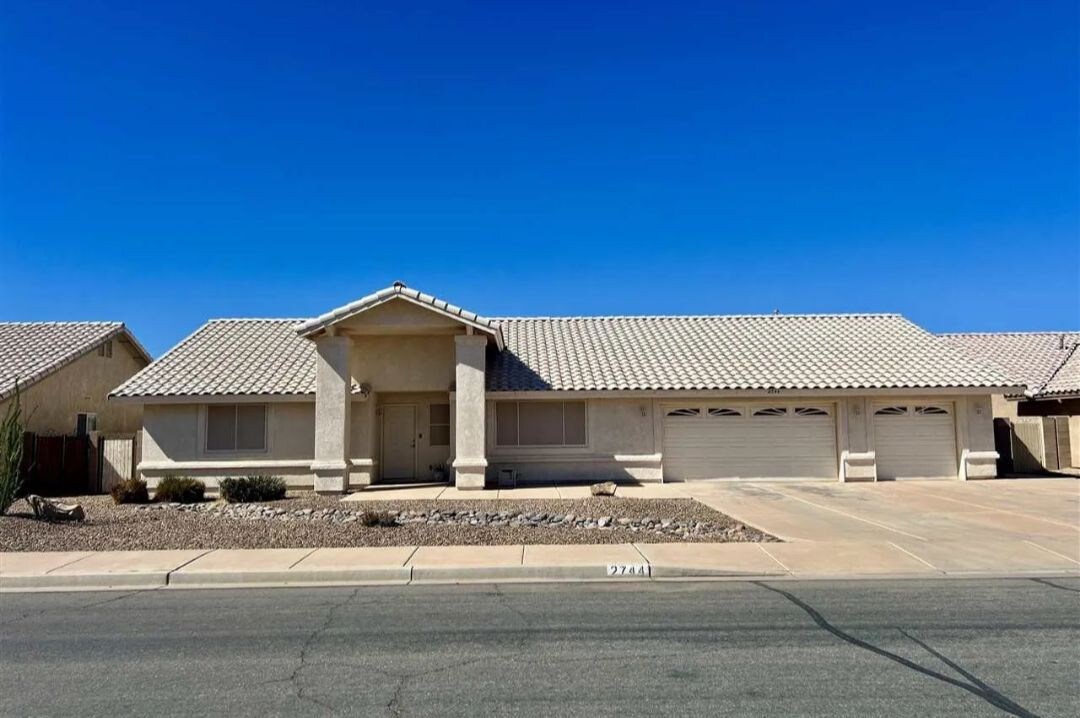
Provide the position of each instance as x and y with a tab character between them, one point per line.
65	371
1047	413
394	385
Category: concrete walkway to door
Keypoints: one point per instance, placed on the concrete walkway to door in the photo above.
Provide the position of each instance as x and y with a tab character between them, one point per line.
950	526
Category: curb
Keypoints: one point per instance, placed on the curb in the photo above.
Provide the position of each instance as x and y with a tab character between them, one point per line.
420	575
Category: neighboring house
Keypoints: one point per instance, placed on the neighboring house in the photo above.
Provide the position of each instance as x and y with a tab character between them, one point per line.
65	371
1048	365
391	386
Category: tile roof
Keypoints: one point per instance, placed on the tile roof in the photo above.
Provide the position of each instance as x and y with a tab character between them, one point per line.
399	291
268	357
232	357
30	351
842	351
1047	363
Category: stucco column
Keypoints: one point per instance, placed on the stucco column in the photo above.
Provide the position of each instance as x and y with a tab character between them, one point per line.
333	400
470	462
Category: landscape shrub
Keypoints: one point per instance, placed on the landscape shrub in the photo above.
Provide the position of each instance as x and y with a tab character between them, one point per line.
130	491
377	518
252	488
180	489
11	451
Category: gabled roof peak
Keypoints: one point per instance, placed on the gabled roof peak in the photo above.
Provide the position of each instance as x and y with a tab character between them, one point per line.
398	290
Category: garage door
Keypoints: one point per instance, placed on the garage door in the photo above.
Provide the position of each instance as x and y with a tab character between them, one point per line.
915	441
721	441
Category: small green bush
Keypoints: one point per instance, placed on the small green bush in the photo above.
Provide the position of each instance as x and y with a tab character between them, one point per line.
377	518
252	488
180	489
130	491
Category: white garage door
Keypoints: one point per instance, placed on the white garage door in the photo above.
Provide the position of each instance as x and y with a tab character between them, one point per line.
915	441
726	441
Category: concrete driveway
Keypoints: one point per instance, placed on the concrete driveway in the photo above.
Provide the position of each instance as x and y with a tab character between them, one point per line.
1003	525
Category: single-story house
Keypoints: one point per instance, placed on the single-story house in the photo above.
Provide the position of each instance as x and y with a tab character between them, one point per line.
64	372
397	384
1048	365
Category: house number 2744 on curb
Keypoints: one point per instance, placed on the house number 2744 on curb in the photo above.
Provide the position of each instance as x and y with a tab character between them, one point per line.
628	569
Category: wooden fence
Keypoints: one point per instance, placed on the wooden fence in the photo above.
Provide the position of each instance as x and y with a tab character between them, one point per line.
56	465
119	455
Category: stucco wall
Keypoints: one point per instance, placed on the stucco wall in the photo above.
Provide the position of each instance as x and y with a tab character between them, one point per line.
405	363
621	445
174	442
624	439
83	386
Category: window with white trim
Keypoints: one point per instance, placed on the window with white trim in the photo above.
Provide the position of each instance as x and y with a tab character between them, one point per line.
891	411
771	411
722	411
236	427
811	411
931	411
439	425
540	423
688	411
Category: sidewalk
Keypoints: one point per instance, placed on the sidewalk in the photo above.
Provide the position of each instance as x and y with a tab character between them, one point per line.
460	564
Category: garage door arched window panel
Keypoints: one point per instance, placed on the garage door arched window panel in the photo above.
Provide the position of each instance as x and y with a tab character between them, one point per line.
724	411
687	411
771	411
931	411
891	411
811	411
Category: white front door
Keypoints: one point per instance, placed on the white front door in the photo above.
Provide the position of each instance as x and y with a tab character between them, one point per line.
399	442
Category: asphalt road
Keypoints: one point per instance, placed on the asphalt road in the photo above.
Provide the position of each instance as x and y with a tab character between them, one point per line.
941	647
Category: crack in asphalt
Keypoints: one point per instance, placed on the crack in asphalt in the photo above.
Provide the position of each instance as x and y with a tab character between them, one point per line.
295	679
393	707
95	604
975	687
1051	584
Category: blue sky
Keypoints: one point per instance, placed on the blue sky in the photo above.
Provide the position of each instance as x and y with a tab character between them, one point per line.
165	163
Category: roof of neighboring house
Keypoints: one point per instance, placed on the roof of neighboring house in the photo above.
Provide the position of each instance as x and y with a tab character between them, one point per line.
399	291
268	357
232	357
31	351
1047	363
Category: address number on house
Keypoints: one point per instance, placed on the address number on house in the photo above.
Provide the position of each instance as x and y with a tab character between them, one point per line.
628	569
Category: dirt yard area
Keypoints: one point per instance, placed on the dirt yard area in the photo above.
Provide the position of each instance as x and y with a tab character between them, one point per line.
308	520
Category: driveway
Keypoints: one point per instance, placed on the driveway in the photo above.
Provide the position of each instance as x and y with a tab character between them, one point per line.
949	526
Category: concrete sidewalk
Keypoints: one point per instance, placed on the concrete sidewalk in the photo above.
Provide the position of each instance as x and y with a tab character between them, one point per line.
460	564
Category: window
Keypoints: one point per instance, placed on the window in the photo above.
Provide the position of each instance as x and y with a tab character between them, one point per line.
724	411
771	411
85	423
105	350
810	411
439	429
931	411
236	427
891	411
540	423
684	412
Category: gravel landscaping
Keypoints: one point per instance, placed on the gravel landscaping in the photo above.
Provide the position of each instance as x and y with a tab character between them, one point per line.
306	520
